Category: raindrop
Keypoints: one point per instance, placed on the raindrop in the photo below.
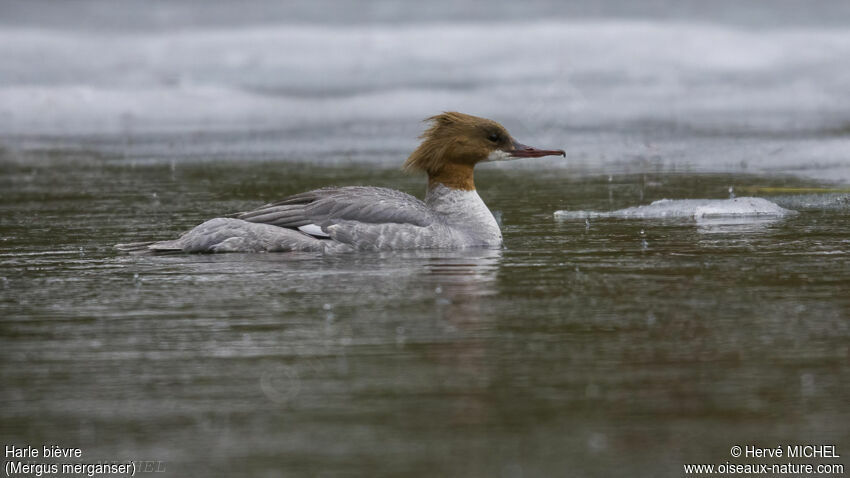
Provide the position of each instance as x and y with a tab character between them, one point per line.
497	215
597	442
650	319
327	307
438	290
280	384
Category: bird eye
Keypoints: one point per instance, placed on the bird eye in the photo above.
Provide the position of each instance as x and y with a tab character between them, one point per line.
494	137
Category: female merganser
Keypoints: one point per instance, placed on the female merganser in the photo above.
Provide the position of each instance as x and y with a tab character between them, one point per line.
340	219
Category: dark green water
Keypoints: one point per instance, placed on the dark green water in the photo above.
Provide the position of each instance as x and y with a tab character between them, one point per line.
614	348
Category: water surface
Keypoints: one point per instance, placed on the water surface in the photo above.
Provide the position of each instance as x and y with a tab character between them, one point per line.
612	347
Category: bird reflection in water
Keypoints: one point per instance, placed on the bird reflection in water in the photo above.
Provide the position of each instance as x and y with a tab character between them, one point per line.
460	280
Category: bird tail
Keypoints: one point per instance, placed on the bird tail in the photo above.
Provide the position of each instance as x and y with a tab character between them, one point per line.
232	235
148	247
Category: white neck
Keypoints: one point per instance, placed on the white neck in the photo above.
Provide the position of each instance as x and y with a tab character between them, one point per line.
466	212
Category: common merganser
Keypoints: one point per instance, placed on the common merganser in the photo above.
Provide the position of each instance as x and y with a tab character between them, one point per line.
340	219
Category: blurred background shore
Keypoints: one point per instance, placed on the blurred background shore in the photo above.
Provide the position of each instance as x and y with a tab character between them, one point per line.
730	86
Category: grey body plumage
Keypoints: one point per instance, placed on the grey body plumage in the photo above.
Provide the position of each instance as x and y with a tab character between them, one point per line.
348	218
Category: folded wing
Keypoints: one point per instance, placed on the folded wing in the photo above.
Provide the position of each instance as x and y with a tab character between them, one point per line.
350	209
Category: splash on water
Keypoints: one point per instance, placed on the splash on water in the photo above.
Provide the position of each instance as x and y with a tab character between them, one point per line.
815	202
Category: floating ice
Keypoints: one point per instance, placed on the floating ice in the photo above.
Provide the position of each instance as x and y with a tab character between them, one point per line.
698	209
